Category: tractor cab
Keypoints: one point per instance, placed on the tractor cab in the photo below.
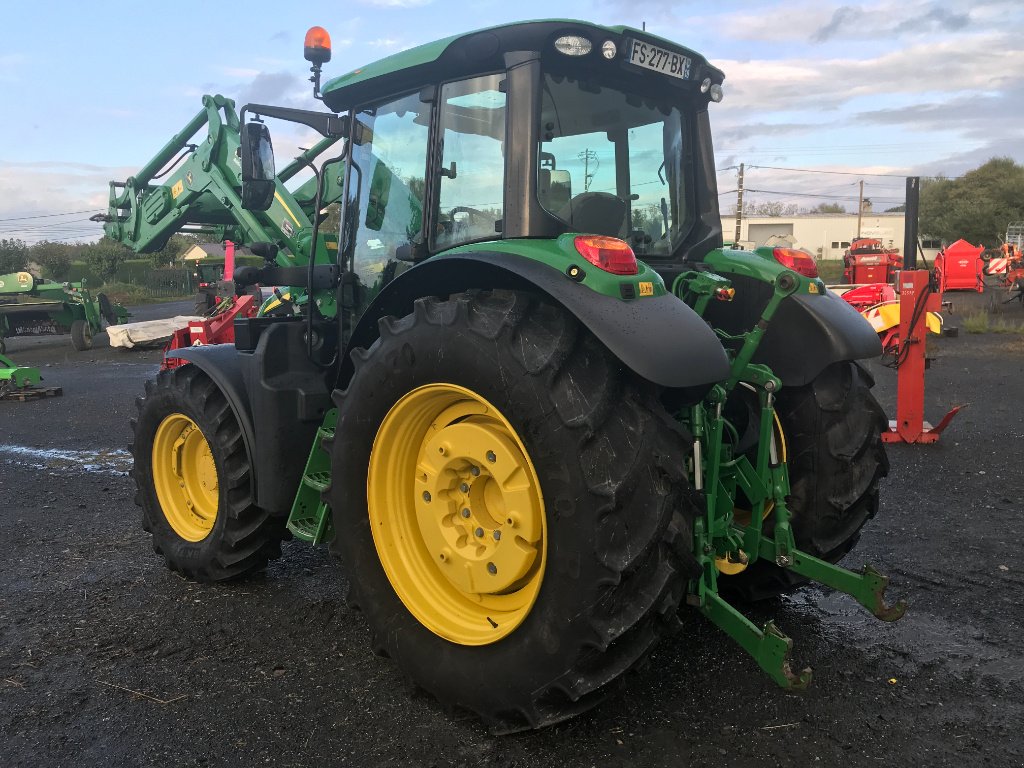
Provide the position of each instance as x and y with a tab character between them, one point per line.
530	130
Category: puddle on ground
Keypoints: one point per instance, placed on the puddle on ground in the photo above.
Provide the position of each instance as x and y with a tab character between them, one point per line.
921	638
111	461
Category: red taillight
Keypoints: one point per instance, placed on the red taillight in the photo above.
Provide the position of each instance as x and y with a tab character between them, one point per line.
798	261
608	253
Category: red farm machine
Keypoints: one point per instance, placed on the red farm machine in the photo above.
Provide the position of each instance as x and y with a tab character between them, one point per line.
960	267
868	261
534	419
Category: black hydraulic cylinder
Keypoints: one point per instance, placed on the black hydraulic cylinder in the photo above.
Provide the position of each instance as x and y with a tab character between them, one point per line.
913	206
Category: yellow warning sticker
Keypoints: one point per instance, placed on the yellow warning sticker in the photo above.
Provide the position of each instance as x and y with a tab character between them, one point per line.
812	287
646	289
177	189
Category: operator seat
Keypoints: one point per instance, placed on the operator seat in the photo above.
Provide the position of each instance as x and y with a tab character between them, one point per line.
598	213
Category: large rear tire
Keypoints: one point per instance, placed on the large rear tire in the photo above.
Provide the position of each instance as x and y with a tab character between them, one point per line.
836	458
594	521
192	473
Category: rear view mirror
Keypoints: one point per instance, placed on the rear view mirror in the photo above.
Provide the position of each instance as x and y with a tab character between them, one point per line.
259	179
555	189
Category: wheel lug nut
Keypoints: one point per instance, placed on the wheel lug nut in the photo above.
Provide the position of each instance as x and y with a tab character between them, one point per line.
491	457
426	495
479	532
465	513
497	535
464	487
474	471
492	568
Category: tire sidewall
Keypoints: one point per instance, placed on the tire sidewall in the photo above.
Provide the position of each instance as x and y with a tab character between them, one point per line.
161	403
533	654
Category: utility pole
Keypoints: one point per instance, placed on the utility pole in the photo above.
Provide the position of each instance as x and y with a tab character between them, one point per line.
860	208
739	208
588	156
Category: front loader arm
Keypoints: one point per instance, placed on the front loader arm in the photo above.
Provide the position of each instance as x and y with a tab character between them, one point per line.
201	194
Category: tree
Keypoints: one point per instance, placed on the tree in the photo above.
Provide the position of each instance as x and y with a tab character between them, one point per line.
53	257
770	208
827	208
105	256
977	206
13	256
175	248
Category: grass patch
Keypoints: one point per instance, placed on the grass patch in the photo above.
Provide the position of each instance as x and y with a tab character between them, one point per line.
831	271
980	322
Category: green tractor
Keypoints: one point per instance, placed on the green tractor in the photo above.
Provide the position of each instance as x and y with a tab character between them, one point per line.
539	408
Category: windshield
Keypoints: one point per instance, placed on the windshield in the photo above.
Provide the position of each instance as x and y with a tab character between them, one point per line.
612	163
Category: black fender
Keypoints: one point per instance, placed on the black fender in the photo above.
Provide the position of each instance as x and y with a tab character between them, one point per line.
659	338
222	363
808	333
279	399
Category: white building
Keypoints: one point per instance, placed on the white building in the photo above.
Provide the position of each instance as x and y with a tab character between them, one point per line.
826	235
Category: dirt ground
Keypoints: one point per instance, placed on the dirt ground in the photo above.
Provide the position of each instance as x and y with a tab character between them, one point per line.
108	659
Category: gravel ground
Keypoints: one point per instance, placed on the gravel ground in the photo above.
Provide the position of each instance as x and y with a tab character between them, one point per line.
107	659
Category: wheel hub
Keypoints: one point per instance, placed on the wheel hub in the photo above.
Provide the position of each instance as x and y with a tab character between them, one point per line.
456	514
185	477
487	550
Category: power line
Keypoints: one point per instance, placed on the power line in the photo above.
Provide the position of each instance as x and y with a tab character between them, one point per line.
831	197
850	173
51	215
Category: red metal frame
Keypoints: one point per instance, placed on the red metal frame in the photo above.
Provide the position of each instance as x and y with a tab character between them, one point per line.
218	329
916	298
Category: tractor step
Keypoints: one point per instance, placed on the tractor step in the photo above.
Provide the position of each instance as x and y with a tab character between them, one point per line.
310	518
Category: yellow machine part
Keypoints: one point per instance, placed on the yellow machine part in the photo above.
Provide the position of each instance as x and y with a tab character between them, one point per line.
185	477
886	315
457	514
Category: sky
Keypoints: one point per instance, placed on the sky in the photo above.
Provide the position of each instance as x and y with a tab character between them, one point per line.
868	91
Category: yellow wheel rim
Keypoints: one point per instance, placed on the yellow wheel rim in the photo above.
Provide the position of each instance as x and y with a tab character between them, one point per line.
185	477
457	514
728	567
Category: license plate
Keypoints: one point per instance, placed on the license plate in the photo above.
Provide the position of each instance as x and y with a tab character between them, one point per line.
658	59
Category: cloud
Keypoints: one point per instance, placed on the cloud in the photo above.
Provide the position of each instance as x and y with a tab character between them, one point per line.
383	42
841	22
46	187
241	72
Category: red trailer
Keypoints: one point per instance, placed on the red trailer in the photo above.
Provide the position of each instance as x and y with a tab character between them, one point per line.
960	267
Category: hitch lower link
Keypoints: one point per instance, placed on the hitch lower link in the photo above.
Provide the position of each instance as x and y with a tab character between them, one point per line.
740	492
728	539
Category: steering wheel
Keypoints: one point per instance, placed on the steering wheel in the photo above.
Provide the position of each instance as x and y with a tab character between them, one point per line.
475	215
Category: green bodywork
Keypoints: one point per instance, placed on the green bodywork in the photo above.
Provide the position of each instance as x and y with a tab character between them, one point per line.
59	304
14	377
561	254
201	194
431	52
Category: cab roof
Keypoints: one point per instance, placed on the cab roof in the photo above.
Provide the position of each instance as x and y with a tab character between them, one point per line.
480	52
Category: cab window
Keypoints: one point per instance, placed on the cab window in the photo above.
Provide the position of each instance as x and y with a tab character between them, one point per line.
471	182
385	195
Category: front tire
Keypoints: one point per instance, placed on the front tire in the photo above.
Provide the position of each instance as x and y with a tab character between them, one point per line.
192	475
598	495
81	335
835	456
